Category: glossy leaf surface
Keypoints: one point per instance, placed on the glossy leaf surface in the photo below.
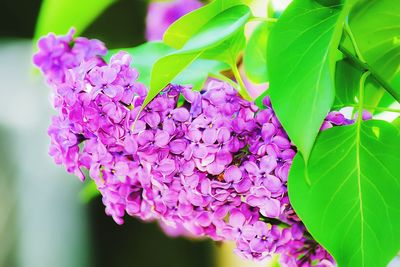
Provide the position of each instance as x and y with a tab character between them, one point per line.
301	61
351	205
255	55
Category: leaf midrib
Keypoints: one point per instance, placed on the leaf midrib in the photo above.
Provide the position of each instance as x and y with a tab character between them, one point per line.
358	166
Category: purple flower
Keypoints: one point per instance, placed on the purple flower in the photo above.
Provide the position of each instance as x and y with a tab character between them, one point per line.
162	14
234	229
337	118
260	237
261	197
55	55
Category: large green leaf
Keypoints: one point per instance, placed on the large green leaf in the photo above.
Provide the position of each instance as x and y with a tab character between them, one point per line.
187	26
255	55
376	28
301	63
59	16
218	30
351	203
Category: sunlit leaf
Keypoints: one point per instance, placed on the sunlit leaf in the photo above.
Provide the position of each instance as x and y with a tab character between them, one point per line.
187	26
255	55
351	205
218	29
396	123
301	63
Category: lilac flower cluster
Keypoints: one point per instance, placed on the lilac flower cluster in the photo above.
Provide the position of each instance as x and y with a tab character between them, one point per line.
57	54
213	164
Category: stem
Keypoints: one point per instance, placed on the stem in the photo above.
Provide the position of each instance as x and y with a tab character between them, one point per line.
355	60
365	67
358	151
361	103
353	42
242	90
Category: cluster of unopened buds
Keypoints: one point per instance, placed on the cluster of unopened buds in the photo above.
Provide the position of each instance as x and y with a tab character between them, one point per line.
203	163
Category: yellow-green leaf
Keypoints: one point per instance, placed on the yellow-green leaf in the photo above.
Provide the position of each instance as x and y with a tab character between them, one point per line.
351	205
59	16
301	61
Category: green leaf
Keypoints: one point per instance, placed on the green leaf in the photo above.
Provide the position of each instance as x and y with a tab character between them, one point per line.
396	123
347	86
386	100
375	25
352	204
144	56
166	69
197	73
219	28
59	16
255	55
347	89
347	44
228	50
216	31
329	3
187	26
301	60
